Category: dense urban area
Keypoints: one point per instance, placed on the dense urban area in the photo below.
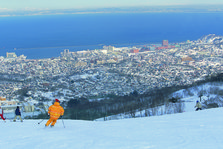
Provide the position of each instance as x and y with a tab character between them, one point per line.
93	74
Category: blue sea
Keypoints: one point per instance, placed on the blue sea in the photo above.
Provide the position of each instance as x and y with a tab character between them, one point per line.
46	36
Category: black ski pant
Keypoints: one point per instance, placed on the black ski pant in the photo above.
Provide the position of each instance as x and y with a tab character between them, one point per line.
198	109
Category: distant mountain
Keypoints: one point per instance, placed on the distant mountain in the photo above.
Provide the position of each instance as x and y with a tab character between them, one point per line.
139	9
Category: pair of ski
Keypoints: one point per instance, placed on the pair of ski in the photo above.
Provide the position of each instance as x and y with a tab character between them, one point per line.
52	126
16	121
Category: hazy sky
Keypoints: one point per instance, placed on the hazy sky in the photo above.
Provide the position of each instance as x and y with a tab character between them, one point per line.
66	4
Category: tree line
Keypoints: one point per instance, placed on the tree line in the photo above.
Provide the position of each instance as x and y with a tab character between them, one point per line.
112	105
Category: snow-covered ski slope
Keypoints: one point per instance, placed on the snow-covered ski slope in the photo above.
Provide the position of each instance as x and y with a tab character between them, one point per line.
189	130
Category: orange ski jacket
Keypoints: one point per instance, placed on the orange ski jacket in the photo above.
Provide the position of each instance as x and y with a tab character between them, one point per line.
55	110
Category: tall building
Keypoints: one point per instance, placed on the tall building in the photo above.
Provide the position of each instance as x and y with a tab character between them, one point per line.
135	51
165	43
65	53
110	48
11	55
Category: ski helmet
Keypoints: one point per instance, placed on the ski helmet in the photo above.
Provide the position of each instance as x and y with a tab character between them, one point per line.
57	100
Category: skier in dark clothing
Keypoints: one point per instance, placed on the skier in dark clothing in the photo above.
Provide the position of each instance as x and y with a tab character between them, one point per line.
17	113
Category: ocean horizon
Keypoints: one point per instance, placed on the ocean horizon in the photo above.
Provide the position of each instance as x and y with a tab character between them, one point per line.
47	36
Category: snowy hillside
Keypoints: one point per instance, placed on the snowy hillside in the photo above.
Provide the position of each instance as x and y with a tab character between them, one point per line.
212	39
188	130
211	93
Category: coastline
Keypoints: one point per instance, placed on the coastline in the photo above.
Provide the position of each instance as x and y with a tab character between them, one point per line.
118	12
52	34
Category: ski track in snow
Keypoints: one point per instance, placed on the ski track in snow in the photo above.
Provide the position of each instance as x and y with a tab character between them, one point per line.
188	130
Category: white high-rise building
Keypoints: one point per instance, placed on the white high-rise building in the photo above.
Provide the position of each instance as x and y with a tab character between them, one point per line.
11	55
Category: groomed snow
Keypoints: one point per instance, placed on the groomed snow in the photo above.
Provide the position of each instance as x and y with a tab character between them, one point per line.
189	130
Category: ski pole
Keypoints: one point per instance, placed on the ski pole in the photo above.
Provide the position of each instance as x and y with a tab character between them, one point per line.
63	123
41	121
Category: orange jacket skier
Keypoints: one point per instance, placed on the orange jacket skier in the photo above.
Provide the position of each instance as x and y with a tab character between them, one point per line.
55	111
